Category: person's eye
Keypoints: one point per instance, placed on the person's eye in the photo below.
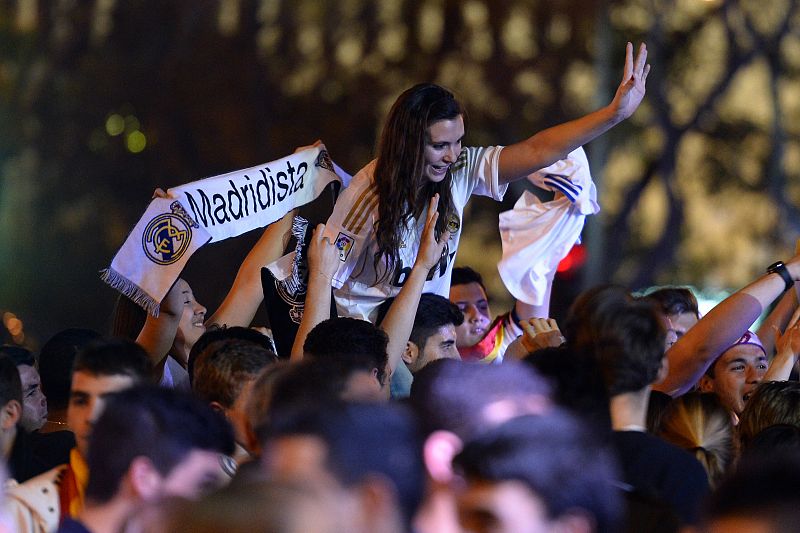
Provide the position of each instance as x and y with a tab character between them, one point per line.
738	368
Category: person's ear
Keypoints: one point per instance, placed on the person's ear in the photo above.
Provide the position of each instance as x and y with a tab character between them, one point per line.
706	384
10	415
410	354
438	452
144	478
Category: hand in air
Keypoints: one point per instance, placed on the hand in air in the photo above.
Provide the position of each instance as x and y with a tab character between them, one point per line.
632	88
541	333
789	341
323	256
430	250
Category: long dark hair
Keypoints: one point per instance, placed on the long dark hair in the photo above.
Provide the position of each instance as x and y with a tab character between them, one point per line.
403	190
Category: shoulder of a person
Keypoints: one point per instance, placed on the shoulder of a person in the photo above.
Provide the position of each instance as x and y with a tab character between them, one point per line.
42	486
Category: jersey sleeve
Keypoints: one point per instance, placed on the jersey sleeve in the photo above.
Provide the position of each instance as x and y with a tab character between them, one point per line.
351	225
476	171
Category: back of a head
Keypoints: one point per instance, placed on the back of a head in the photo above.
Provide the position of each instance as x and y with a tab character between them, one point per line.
629	346
363	440
163	425
772	403
351	339
10	382
674	300
464	397
698	423
763	494
227	333
222	369
585	317
56	359
112	357
556	458
433	312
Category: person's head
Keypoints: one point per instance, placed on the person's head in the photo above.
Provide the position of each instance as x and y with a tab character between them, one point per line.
350	339
737	372
217	334
468	292
433	335
698	423
762	496
102	367
772	403
679	306
151	442
223	371
55	363
34	412
10	402
629	346
191	325
420	141
370	453
587	315
535	474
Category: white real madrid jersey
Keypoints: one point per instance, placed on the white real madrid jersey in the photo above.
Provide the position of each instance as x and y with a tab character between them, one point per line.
352	223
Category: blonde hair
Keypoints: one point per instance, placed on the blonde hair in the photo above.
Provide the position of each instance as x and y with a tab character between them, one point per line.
698	423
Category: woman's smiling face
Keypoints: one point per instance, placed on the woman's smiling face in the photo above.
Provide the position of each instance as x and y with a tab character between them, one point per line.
442	146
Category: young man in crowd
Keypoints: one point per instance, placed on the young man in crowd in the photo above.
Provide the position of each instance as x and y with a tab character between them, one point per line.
103	367
147	444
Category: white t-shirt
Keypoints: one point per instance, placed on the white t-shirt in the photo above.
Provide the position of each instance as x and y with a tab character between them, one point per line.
351	227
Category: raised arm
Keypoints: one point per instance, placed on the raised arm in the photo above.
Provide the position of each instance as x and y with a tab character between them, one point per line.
552	144
693	353
158	333
245	295
777	321
323	259
399	320
787	347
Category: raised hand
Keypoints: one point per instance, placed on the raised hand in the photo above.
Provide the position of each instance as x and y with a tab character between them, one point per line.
541	333
323	256
430	250
632	87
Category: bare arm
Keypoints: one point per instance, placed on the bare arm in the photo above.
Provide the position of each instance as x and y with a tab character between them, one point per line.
245	295
399	320
552	144
693	353
777	321
158	333
323	258
788	350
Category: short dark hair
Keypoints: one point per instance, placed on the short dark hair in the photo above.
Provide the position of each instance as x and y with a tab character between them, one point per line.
463	274
451	395
772	402
56	359
10	382
762	487
225	333
349	338
433	312
112	357
674	300
556	458
224	366
21	356
630	347
161	424
364	439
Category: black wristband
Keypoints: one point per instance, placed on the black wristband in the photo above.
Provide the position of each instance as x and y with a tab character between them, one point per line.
780	269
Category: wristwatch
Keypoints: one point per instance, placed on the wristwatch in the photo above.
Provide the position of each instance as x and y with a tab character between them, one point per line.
780	269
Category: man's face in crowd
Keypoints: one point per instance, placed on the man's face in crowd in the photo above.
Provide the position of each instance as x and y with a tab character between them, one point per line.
680	323
86	400
440	345
737	372
34	410
471	299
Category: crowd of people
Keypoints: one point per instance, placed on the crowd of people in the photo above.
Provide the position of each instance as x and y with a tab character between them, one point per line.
404	403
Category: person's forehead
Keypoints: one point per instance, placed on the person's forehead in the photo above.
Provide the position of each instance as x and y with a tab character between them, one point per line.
748	352
467	292
97	384
28	375
446	332
446	130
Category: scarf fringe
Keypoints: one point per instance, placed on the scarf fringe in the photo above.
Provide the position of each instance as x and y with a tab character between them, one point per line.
130	289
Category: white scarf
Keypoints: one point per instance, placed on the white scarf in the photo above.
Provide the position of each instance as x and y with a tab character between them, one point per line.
210	210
